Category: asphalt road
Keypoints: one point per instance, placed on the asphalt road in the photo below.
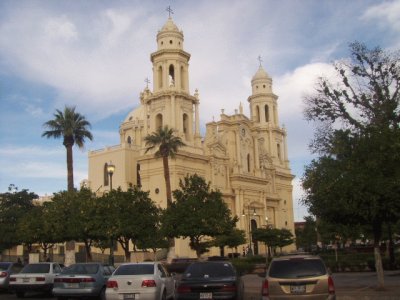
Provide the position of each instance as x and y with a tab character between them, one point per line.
349	286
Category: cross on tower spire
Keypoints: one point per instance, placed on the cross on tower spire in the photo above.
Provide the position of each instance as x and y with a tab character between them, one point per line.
260	59
170	11
147	80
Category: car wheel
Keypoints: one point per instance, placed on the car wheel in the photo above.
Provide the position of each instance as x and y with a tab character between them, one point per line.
20	294
102	295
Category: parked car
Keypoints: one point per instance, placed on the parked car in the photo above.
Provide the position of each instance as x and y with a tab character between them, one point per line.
81	280
144	281
179	265
298	277
35	277
7	269
210	280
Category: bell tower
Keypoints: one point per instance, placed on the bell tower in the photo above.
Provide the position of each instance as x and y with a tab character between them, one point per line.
170	103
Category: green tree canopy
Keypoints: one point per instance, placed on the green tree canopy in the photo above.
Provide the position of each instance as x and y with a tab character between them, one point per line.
355	180
198	214
14	205
128	216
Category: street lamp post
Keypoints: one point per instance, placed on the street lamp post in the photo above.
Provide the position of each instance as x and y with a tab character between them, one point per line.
110	171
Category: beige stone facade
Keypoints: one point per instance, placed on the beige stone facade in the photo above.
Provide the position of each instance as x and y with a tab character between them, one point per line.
244	157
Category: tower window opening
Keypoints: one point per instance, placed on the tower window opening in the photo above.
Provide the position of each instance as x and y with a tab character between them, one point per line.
278	150
159	121
185	121
171	73
170	41
266	110
257	114
159	73
129	140
264	86
105	175
248	163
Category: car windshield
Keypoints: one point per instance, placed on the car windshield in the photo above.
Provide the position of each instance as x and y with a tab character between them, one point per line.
297	268
137	269
4	266
36	268
81	269
209	270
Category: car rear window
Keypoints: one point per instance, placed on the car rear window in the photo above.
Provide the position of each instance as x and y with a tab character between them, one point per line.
81	269
297	268
36	268
209	270
139	269
4	266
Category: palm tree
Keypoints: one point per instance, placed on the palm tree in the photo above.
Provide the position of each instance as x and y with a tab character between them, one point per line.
168	145
73	128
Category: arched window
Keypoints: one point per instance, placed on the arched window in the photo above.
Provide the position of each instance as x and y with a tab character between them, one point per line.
248	163
171	74
266	110
185	121
182	78
278	150
159	121
129	140
159	75
105	174
257	114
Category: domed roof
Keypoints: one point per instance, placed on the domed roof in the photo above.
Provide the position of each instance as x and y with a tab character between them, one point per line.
260	74
170	26
136	114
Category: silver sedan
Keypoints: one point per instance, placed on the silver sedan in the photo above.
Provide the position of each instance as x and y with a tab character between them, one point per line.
144	281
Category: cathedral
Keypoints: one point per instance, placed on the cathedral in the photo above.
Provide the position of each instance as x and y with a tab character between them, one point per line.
245	157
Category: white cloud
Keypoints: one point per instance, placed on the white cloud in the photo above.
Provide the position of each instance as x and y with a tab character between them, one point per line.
386	13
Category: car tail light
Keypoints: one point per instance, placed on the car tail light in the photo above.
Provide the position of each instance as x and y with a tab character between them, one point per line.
148	283
182	289
13	279
40	279
265	289
229	288
89	279
3	274
331	286
112	284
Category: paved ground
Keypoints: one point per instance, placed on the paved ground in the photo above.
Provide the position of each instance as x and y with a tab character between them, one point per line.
349	286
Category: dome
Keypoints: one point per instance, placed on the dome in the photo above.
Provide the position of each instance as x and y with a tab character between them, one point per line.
136	114
170	26
260	74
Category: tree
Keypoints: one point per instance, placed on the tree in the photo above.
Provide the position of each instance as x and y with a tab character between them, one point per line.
14	205
198	214
307	236
167	145
129	216
79	211
74	129
232	240
273	238
352	182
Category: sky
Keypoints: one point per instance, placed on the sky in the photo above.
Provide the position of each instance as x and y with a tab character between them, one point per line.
95	55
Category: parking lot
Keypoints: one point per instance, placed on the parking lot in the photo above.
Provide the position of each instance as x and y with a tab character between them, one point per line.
349	286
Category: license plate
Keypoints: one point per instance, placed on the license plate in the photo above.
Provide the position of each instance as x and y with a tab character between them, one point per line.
205	295
72	285
297	289
25	280
131	296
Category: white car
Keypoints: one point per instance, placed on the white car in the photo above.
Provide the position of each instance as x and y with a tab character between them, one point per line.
143	281
35	277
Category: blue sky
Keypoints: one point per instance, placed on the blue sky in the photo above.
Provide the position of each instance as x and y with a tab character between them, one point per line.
96	54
